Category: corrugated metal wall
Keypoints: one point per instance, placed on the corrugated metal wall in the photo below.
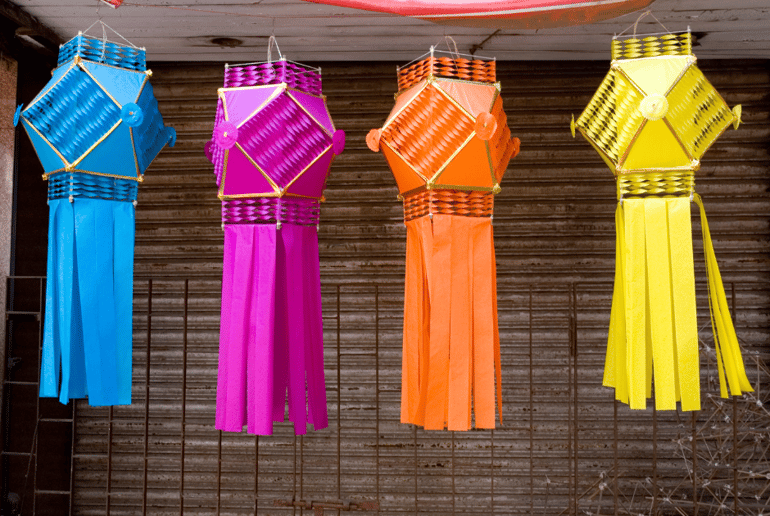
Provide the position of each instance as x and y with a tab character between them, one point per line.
563	437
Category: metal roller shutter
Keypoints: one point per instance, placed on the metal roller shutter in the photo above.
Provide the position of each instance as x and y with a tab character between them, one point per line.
564	447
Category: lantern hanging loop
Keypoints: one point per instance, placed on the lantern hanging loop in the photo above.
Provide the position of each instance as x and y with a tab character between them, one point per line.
270	42
450	44
104	32
636	23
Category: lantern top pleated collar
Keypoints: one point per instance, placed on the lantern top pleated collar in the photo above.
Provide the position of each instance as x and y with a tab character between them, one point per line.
274	136
447	129
97	114
655	110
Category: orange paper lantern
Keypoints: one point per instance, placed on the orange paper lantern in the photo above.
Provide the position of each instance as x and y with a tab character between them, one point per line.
448	144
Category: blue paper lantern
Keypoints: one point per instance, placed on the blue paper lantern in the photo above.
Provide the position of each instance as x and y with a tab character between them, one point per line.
96	128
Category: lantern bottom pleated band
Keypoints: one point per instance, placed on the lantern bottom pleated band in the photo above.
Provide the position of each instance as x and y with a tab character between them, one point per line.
271	338
451	348
653	324
87	333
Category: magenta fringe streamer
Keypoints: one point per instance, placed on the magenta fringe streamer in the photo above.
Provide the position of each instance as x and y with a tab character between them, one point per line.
271	338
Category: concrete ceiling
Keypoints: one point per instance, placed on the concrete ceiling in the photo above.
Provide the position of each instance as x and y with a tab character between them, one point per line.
237	30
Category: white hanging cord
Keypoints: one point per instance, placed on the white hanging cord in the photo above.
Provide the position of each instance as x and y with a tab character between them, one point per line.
270	42
104	32
104	39
450	39
645	13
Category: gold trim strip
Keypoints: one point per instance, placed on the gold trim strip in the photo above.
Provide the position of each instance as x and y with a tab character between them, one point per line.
690	167
321	96
394	151
247	196
264	174
28	123
453	101
690	62
113	66
299	104
678	140
615	62
46	92
224	105
463	187
96	144
278	85
327	149
489	160
622	159
415	85
133	149
638	88
397	113
80	65
287	194
114	176
602	154
269	99
460	81
221	191
449	160
141	88
267	195
494	97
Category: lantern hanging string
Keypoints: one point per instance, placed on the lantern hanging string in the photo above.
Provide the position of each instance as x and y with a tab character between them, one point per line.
270	42
636	23
104	33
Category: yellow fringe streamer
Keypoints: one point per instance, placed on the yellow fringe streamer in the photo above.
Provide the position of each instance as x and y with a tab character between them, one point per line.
729	359
653	323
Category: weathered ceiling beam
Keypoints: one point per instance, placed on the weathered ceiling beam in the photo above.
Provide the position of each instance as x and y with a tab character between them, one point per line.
28	24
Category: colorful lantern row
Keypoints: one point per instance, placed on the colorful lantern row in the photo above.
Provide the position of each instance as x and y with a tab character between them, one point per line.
509	14
448	144
652	119
272	146
96	128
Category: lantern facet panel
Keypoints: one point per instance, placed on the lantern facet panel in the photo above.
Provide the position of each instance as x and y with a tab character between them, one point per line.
272	147
652	119
448	144
96	128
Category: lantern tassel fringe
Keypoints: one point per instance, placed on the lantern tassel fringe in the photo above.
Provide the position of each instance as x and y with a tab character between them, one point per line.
653	323
451	343
87	338
271	337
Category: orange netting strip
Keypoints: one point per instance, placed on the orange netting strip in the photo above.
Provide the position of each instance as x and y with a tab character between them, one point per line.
466	69
448	202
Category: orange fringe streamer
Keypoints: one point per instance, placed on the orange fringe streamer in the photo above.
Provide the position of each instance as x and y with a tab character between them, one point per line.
451	342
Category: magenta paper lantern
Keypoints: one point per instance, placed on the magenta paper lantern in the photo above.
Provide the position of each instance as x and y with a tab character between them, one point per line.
272	146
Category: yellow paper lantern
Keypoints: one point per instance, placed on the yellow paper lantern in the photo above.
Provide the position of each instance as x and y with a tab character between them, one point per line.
652	119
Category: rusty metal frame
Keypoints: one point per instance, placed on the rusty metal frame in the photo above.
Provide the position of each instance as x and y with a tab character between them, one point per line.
540	494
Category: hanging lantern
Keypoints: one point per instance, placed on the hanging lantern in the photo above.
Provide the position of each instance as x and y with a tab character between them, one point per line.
96	128
448	144
509	14
272	146
652	119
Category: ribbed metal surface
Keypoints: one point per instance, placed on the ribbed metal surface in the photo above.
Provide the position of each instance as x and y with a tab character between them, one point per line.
554	234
